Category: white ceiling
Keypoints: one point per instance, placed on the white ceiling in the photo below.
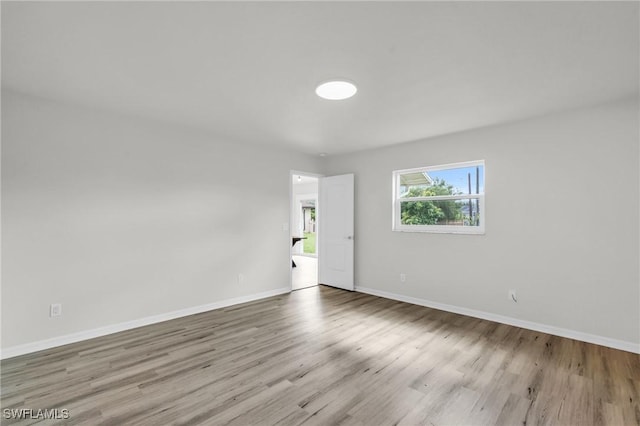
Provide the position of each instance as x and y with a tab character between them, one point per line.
247	71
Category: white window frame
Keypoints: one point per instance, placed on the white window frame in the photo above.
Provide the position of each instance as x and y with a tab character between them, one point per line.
439	229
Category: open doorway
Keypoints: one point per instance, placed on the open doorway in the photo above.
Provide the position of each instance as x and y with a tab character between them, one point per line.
304	226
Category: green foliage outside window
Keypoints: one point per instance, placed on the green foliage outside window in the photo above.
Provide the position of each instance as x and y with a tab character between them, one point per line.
431	212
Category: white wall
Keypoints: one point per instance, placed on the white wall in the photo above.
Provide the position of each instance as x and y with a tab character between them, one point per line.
119	218
562	223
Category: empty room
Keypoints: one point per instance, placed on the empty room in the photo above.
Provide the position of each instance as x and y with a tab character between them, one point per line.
320	213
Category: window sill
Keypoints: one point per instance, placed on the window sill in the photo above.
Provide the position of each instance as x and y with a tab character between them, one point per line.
441	231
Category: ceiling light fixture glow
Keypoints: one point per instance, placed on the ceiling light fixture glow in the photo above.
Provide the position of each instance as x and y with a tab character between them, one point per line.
336	90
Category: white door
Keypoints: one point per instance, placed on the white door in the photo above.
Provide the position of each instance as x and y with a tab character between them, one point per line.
335	231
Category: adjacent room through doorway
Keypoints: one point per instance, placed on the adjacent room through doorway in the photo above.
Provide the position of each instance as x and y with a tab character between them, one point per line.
304	225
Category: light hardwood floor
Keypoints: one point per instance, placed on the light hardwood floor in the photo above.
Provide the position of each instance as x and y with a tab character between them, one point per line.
322	356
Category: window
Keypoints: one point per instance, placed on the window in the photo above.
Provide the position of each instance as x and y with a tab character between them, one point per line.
445	199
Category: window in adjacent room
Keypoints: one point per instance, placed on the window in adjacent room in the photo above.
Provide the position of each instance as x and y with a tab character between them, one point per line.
446	199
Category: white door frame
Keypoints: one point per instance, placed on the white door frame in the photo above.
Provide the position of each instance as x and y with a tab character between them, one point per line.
292	200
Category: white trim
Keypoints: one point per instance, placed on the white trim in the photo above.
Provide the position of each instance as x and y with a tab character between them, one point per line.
115	328
442	198
438	167
442	229
543	328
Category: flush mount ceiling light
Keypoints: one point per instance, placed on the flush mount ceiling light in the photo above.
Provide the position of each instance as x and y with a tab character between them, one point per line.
336	90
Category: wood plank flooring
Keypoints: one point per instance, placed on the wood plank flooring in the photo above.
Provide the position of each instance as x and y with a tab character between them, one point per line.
322	356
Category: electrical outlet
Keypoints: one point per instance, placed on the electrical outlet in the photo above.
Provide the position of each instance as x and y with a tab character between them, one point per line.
403	278
512	296
240	278
55	310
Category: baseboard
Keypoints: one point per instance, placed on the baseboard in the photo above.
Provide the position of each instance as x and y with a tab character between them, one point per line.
40	345
557	331
26	348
